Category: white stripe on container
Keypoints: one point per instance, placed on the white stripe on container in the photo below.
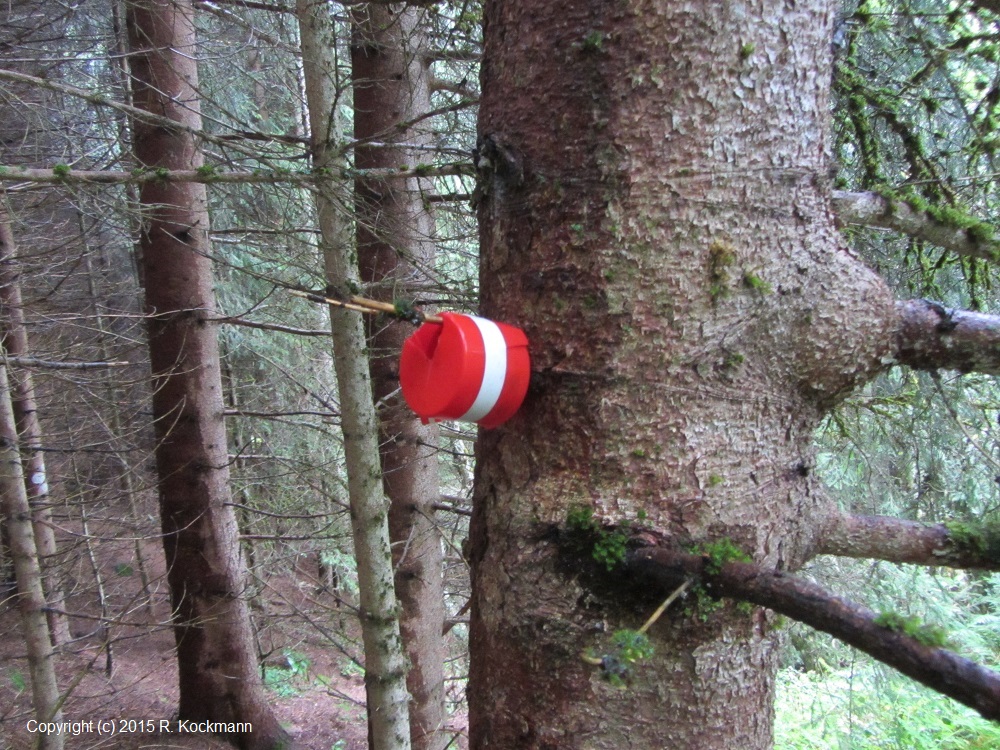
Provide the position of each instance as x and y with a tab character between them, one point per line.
495	372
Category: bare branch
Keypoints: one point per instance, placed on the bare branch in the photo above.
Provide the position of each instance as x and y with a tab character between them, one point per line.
269	7
930	336
101	100
955	545
874	210
273	327
856	625
63	175
49	364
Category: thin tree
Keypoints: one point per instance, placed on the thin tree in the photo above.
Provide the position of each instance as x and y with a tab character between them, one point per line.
14	336
31	598
395	235
385	661
655	209
219	680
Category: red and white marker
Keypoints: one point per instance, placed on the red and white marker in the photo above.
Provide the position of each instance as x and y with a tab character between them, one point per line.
465	368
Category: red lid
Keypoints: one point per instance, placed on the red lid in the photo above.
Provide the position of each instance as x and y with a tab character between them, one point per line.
466	368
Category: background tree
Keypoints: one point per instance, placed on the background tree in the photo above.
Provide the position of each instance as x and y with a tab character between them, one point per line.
395	236
219	680
385	661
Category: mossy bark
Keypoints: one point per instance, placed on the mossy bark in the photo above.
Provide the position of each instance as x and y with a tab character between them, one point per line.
656	216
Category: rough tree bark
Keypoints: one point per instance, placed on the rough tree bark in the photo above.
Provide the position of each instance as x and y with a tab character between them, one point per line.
655	212
385	660
219	680
396	250
31	599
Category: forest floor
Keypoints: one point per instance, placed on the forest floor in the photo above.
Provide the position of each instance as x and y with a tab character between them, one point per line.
316	687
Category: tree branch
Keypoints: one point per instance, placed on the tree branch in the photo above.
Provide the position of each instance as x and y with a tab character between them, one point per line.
941	670
954	545
61	174
273	327
969	238
930	336
51	364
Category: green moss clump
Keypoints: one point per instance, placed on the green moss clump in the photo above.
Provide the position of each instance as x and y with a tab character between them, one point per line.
61	170
719	553
721	255
607	546
981	540
756	283
405	310
629	648
580	518
593	42
932	636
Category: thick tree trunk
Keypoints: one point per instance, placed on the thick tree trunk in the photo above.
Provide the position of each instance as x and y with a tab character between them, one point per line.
656	215
31	599
219	680
385	661
395	250
14	336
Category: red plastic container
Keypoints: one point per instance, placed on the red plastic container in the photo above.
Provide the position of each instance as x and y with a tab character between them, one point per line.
466	368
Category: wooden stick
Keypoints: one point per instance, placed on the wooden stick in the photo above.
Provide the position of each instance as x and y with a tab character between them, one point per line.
663	607
369	306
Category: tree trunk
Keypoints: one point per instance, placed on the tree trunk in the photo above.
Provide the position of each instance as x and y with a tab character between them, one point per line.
27	138
15	340
385	661
656	214
31	599
219	680
396	250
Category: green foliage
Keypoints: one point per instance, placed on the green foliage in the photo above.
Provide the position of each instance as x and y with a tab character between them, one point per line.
719	553
607	546
911	625
406	310
627	650
17	680
593	41
610	548
580	518
981	539
756	283
862	707
350	668
124	570
289	679
916	114
61	170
